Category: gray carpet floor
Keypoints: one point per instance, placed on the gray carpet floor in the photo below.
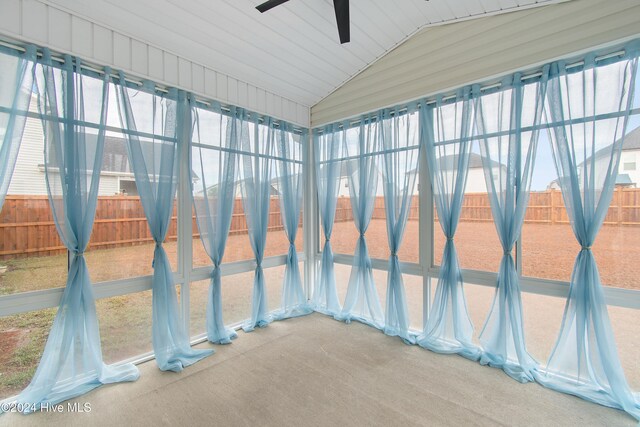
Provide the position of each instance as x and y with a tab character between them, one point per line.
316	371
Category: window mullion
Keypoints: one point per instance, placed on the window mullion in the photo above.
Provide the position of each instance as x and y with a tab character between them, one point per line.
425	195
185	234
310	217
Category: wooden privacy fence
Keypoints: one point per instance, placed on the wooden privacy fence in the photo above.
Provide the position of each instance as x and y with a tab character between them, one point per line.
545	207
27	227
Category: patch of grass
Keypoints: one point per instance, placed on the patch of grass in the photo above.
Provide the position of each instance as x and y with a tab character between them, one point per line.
30	353
30	274
23	358
13	382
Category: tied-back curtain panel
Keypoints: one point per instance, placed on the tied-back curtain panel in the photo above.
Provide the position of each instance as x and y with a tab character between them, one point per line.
16	83
214	193
290	185
362	145
72	363
399	131
256	185
446	130
593	103
155	161
328	150
508	161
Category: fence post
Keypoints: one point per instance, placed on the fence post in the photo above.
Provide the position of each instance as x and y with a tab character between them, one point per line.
553	208
619	191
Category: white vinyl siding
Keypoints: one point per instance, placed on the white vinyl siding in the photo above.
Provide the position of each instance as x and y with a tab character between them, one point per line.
449	56
28	175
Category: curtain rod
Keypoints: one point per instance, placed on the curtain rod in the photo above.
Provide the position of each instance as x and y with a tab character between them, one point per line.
533	75
159	88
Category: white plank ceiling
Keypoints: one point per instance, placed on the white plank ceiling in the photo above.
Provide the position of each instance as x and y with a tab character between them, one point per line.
292	50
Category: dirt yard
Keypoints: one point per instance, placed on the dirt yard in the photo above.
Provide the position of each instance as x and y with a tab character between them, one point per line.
548	251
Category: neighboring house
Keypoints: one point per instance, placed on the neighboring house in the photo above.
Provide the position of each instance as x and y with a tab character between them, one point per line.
553	185
629	169
212	190
343	186
622	180
343	176
475	178
29	174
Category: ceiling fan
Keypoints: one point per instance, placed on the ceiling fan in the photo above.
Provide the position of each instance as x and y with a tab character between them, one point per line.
342	15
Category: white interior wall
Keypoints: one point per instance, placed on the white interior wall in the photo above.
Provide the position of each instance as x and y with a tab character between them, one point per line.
445	57
36	21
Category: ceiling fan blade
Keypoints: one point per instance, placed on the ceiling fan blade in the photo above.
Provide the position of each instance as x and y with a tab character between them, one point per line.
269	5
342	18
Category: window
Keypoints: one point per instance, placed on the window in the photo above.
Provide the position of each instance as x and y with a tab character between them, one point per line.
629	166
542	316
549	247
120	246
30	247
125	331
476	239
236	297
121	235
345	234
277	241
209	142
31	250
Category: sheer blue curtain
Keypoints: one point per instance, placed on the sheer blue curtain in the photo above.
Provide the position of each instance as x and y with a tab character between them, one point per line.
256	186
594	102
328	150
16	82
446	134
155	161
72	360
290	185
508	161
399	131
362	147
214	193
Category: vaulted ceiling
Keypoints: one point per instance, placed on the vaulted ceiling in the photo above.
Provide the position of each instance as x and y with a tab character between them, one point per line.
292	50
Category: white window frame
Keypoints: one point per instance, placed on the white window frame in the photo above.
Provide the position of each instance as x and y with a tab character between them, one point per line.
186	274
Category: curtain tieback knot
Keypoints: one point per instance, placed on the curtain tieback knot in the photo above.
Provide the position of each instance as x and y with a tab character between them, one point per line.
78	253
153	262
450	239
586	248
507	252
394	254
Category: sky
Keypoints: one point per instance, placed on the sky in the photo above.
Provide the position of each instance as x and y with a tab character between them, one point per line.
544	171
